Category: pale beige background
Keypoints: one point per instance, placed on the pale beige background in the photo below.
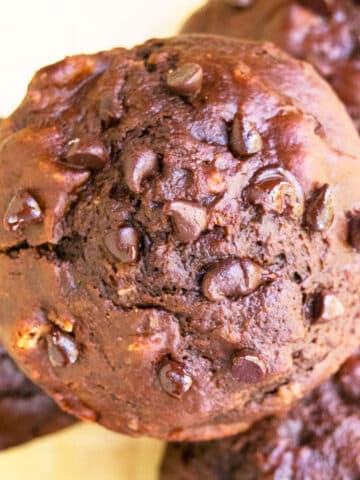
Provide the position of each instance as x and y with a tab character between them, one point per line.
32	34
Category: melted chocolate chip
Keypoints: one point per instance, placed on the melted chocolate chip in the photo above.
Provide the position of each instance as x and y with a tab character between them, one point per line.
109	112
322	7
239	3
349	378
245	139
189	220
354	230
22	209
62	349
174	379
186	80
326	307
138	164
86	154
276	190
124	244
248	367
233	278
319	214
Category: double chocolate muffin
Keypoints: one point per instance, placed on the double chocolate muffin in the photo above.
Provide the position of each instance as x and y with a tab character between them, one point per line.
25	411
326	33
318	440
180	237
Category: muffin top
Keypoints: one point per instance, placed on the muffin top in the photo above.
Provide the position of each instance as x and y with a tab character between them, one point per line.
180	235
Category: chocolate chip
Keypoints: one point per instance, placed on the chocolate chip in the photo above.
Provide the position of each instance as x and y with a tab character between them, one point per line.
233	278
138	164
186	80
326	307
354	230
189	219
22	209
174	379
322	7
349	378
86	154
245	139
248	367
276	190
62	349
239	3
124	244
319	214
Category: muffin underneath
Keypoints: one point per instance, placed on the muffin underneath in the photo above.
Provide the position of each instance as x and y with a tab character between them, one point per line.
323	32
318	440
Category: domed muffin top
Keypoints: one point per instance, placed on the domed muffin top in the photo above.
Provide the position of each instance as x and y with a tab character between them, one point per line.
180	235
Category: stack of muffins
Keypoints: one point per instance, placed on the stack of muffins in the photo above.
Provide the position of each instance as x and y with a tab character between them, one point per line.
180	243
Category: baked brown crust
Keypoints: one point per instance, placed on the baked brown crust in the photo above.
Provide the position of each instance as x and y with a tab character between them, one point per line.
179	224
323	32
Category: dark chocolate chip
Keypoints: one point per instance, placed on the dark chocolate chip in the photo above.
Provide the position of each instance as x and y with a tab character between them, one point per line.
248	367
354	230
138	164
276	190
86	154
189	219
22	209
233	278
239	3
322	7
326	307
186	80
349	378
319	214
245	139
124	244
174	379
62	349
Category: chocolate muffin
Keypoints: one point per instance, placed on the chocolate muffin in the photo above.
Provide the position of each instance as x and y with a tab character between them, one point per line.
318	440
25	411
181	227
326	33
